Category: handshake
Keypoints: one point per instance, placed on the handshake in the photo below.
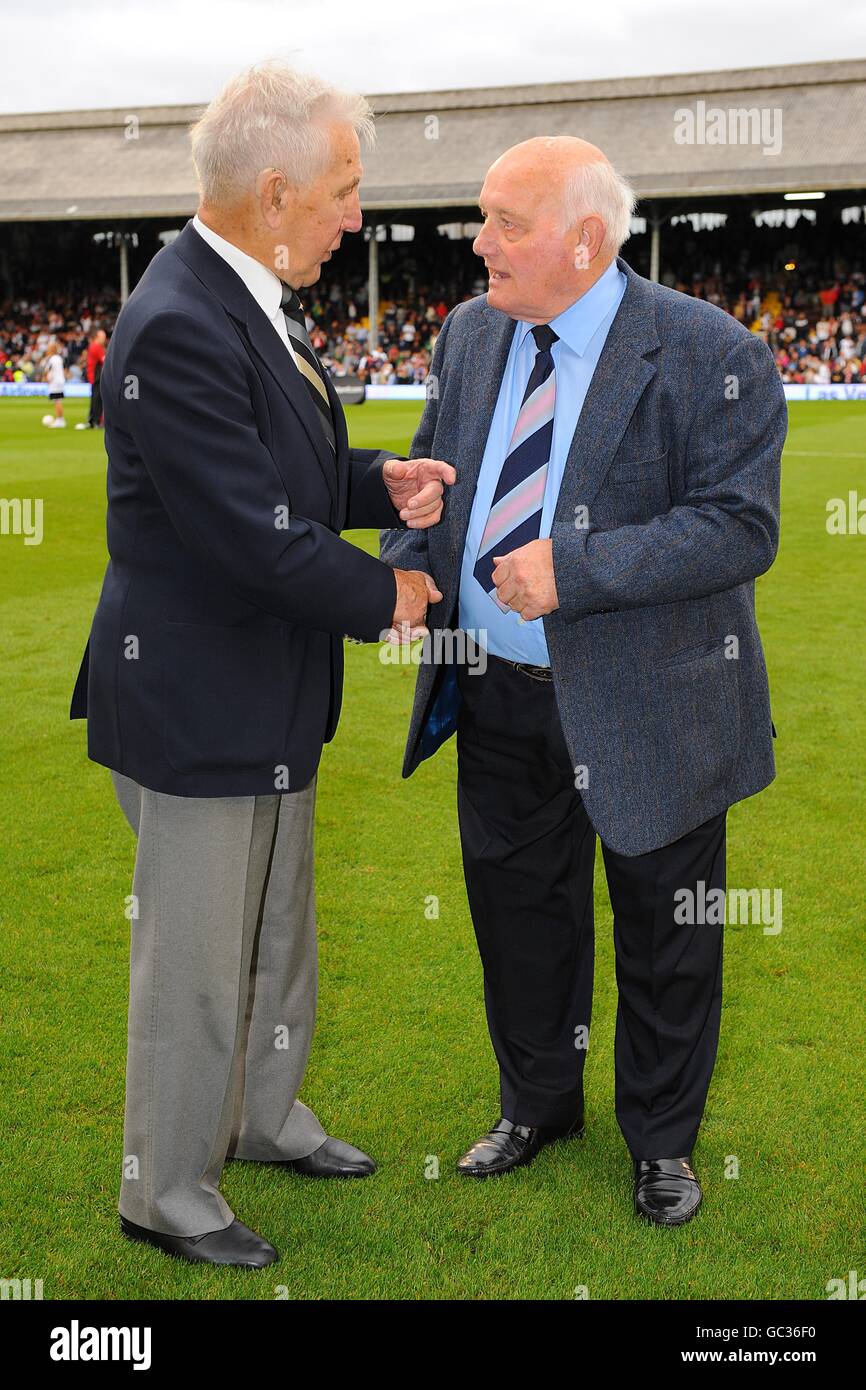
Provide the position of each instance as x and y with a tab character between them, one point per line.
416	488
415	590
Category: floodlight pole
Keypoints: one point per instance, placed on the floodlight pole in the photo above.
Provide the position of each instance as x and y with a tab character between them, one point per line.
373	290
124	269
655	243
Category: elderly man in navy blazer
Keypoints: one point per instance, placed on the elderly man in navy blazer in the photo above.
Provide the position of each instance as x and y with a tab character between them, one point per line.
617	447
213	674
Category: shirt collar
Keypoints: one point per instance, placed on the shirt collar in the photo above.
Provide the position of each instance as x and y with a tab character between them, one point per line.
578	324
264	285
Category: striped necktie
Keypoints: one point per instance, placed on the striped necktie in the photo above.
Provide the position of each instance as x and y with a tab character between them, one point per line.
515	512
308	363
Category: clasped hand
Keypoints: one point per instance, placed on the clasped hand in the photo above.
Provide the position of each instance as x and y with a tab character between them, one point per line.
416	488
417	491
525	580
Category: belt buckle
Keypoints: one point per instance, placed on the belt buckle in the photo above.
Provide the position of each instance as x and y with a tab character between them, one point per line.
536	673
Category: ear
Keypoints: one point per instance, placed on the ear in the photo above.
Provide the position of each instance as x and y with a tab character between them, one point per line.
592	236
272	194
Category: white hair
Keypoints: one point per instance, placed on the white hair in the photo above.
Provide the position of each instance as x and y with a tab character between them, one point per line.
270	116
596	187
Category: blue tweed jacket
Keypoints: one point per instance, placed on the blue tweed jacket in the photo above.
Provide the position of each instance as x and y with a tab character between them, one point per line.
676	458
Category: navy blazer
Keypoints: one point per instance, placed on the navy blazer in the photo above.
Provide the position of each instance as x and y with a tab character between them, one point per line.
214	665
667	514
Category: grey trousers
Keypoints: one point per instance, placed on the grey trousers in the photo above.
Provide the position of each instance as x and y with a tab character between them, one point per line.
222	997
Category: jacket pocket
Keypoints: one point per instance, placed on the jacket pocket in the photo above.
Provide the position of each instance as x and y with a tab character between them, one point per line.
705	648
225	697
698	705
639	469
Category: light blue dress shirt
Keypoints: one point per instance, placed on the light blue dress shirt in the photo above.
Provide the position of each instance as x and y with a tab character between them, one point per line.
582	330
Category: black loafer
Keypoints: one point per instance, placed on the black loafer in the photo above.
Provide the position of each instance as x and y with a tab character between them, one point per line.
235	1245
666	1190
508	1146
333	1159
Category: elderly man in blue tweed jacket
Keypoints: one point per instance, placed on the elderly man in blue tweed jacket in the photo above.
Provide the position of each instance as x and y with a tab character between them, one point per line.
617	448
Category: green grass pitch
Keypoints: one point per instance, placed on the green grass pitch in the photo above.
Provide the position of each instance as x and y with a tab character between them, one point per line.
401	1062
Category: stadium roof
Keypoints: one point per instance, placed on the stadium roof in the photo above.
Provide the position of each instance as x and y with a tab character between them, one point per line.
433	148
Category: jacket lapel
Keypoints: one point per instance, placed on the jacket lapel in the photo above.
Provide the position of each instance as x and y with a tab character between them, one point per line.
618	382
229	288
268	346
482	378
342	451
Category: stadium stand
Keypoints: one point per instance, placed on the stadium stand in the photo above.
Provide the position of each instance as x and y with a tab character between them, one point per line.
815	326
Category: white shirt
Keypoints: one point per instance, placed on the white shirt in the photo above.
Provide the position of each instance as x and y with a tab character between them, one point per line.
264	285
55	374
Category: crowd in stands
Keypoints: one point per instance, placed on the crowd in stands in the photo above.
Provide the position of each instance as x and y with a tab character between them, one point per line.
815	327
338	324
28	327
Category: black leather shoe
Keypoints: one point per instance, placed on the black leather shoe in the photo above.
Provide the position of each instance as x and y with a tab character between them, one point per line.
509	1146
333	1159
666	1190
236	1245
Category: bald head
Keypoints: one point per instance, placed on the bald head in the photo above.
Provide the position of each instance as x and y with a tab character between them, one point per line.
556	213
549	157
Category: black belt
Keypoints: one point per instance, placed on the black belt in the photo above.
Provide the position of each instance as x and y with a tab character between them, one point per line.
538	673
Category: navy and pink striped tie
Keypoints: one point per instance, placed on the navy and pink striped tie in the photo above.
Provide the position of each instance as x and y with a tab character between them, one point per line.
515	512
